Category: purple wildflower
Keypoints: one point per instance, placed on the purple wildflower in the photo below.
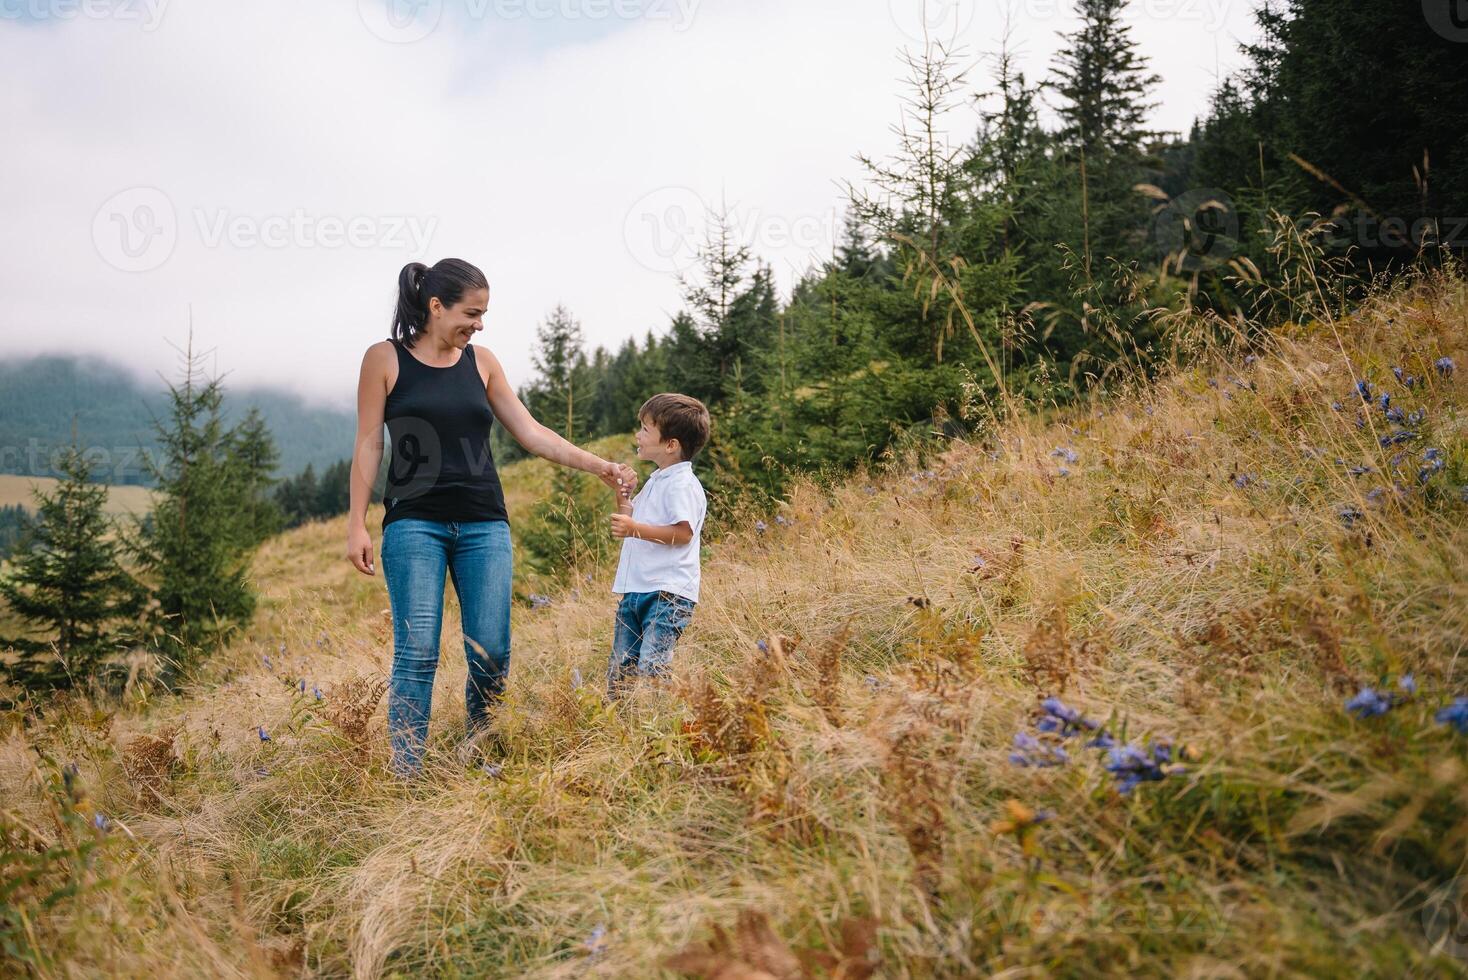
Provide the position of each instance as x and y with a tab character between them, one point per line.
101	822
1369	703
1363	388
1445	366
1455	714
760	527
264	735
1030	751
1133	766
1065	453
538	601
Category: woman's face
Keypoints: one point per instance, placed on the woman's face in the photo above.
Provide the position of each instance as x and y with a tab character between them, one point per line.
462	320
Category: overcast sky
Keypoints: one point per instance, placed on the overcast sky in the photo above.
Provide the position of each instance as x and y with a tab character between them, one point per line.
273	164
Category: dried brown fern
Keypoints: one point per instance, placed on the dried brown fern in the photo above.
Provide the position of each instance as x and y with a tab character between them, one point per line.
350	706
148	760
919	777
754	951
827	664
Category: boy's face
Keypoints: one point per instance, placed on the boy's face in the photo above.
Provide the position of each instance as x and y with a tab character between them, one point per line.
652	447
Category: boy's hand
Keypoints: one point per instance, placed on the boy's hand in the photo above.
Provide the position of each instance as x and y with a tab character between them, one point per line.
622	525
619	477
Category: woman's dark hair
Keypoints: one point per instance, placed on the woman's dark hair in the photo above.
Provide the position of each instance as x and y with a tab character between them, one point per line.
448	279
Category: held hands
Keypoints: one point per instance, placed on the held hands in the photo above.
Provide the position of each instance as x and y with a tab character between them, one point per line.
619	477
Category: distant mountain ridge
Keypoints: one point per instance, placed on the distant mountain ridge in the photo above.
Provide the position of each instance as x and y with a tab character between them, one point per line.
40	396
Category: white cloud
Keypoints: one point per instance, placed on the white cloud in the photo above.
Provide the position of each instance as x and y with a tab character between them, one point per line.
522	144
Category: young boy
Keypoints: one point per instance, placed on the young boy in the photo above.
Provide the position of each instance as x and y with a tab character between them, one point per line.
658	574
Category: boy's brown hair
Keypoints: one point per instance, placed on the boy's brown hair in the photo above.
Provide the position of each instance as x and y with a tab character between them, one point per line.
680	417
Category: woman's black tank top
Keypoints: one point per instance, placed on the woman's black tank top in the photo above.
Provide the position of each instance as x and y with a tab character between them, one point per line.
438	422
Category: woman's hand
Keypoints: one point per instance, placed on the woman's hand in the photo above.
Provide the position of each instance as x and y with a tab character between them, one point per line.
621	478
359	549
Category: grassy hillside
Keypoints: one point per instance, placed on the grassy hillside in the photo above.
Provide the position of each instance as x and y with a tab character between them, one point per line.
120	499
1207	568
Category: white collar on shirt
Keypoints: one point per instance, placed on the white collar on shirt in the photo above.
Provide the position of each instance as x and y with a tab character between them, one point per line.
669	470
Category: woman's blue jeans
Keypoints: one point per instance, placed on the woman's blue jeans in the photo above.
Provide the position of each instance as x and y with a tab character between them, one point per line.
415	554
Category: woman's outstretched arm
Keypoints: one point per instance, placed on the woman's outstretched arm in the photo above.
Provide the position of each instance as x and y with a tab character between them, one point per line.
544	442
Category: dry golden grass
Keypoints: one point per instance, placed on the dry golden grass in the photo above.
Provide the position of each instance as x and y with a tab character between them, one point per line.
120	499
757	814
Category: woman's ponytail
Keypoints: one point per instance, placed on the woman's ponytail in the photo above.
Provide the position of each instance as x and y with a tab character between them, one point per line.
448	279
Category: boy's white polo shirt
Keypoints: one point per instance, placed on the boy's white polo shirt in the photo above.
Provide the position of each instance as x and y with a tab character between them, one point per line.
671	495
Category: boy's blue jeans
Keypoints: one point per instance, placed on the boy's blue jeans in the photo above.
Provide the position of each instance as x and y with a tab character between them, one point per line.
648	626
478	557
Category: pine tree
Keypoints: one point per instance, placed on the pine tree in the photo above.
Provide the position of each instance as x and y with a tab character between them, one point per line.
333	492
1103	84
297	496
552	397
15	524
722	262
68	580
193	551
252	459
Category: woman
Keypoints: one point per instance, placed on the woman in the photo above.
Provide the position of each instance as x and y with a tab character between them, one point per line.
439	395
